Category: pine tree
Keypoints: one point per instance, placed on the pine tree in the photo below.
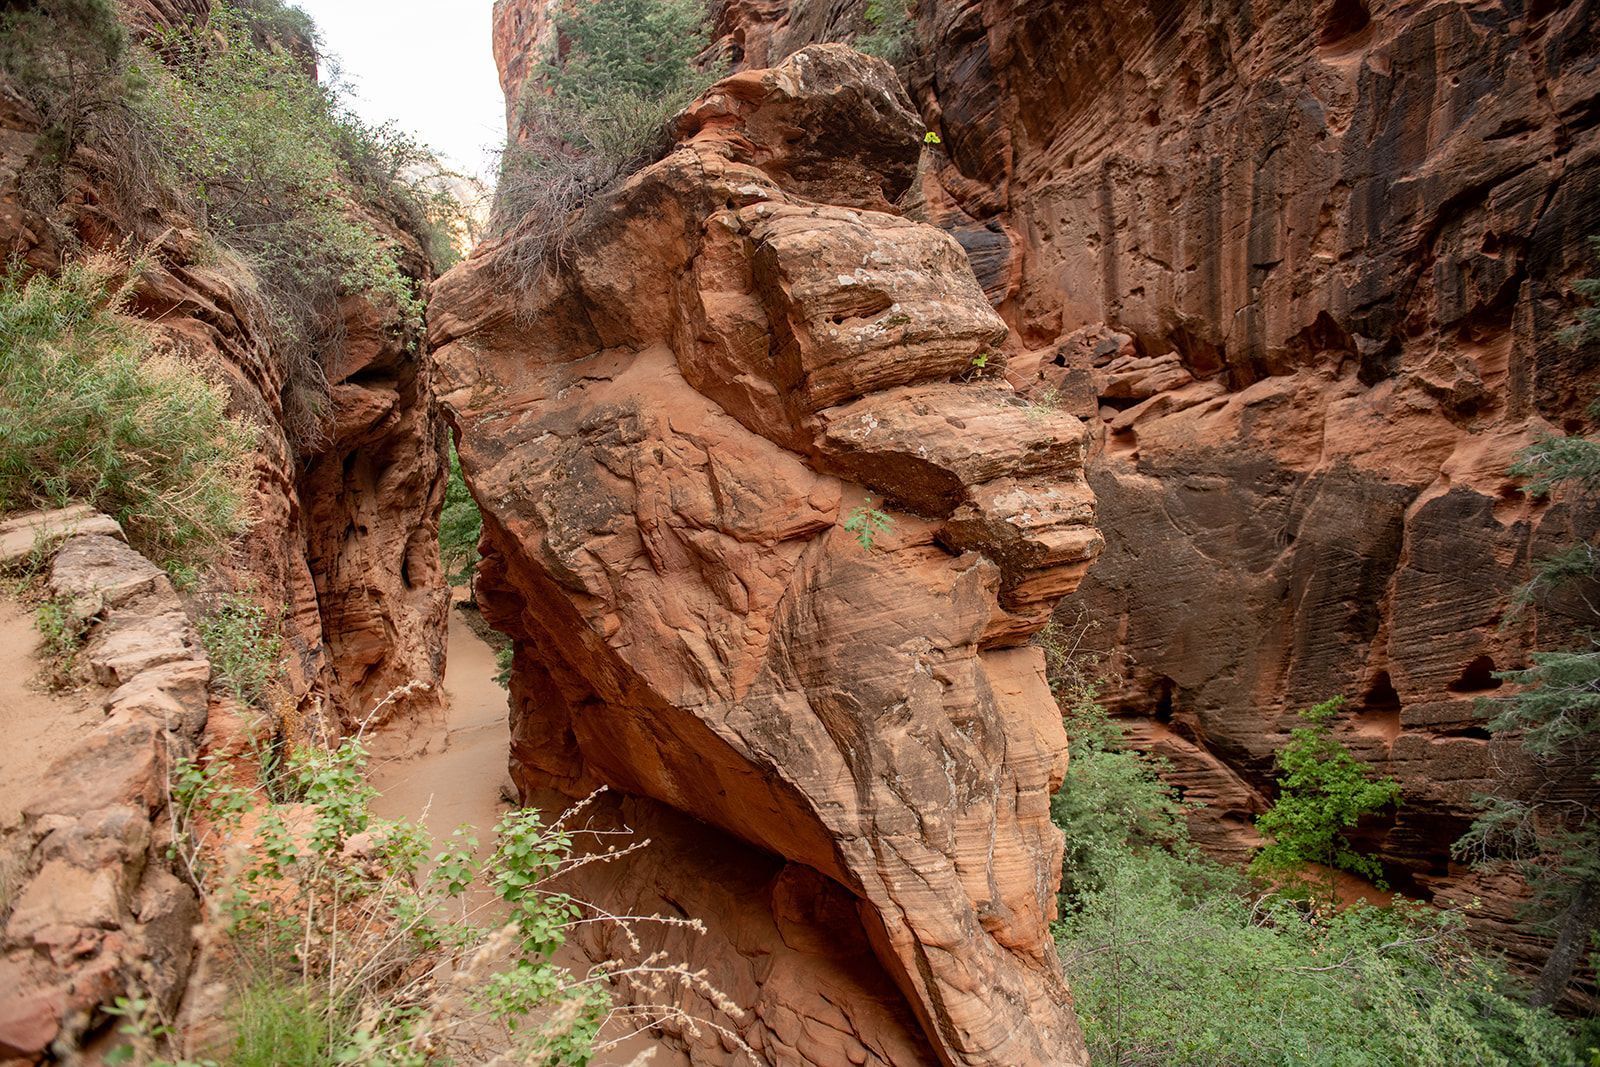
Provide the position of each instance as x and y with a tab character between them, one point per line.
1545	818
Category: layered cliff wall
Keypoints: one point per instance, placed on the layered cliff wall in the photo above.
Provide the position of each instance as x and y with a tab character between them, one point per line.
1337	242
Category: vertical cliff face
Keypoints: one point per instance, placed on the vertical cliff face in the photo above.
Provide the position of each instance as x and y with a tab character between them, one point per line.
345	531
672	436
1334	244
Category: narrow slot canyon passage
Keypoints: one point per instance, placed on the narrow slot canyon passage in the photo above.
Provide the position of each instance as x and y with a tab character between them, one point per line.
460	779
456	780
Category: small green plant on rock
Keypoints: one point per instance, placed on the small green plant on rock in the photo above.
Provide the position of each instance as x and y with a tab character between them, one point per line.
62	638
1044	402
244	646
1323	791
867	522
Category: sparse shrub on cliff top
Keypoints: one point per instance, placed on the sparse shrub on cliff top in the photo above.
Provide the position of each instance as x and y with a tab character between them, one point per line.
68	59
90	410
254	145
595	110
225	123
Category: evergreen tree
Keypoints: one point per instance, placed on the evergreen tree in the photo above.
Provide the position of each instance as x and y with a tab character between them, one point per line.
1546	819
639	48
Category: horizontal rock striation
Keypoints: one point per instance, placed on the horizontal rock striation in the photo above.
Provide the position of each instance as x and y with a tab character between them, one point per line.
674	436
1334	245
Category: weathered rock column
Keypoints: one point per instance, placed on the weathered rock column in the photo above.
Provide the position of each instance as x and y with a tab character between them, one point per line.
667	435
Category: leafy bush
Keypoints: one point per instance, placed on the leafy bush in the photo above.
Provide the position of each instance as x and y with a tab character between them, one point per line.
595	110
350	948
274	23
460	524
244	647
1174	959
1323	791
90	411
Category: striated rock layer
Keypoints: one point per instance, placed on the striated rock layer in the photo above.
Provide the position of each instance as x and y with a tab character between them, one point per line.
669	435
1334	243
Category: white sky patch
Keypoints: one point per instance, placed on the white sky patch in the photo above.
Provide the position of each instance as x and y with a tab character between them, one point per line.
426	65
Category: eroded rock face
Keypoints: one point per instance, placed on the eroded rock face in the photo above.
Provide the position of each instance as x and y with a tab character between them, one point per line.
1332	245
93	911
345	535
668	436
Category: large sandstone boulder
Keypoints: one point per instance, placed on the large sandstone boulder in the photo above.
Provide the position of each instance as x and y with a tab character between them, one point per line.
668	435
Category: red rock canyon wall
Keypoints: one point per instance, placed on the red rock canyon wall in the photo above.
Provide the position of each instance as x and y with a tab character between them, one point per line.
667	434
1303	269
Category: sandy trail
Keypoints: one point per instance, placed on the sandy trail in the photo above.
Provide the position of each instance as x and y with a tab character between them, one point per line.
36	725
459	783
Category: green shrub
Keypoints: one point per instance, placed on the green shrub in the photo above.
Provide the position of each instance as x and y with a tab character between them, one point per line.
274	23
460	524
244	646
1543	817
1323	791
62	640
888	31
1174	959
344	955
595	110
90	411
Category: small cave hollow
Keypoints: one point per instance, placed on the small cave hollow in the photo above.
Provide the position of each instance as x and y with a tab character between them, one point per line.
1476	677
1344	19
1378	714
